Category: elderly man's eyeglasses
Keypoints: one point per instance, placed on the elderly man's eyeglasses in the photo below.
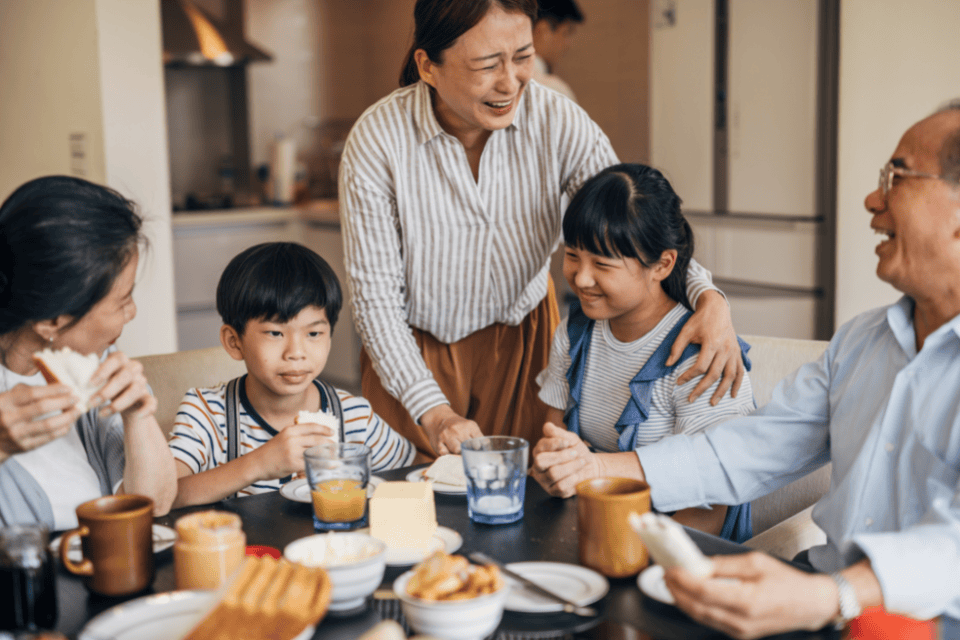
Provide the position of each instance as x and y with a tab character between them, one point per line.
889	171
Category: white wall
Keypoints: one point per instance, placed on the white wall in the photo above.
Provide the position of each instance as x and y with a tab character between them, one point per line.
93	67
135	154
898	62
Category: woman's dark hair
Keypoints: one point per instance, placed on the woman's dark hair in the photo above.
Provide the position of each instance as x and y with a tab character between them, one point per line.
275	281
438	24
63	242
631	211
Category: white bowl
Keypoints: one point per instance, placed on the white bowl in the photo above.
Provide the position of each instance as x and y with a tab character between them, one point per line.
472	619
355	563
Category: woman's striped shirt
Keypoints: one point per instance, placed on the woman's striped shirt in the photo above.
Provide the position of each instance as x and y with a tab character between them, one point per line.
199	436
429	246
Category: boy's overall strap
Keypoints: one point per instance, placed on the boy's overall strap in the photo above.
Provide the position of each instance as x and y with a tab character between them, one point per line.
233	421
333	404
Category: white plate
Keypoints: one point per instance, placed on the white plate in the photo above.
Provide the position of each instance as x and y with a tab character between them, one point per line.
163	539
651	583
438	487
164	616
299	490
575	583
445	538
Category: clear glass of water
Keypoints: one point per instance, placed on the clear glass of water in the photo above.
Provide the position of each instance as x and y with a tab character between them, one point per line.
496	469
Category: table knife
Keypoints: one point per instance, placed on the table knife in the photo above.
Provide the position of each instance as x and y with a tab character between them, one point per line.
569	607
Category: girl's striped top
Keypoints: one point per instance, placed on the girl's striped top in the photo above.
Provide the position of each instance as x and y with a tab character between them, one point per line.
611	365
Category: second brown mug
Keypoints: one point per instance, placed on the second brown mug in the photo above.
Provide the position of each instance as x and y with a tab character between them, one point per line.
116	535
607	542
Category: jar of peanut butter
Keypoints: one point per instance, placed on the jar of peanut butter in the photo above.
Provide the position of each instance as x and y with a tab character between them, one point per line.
210	546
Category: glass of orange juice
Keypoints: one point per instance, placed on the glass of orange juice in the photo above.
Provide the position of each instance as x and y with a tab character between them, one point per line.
338	475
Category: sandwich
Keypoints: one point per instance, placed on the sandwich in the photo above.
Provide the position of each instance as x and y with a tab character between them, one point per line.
68	367
448	470
321	418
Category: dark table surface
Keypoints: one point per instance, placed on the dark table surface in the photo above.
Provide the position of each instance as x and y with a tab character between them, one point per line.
548	532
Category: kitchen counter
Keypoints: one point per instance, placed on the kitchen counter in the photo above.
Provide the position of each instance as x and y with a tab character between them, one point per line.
323	211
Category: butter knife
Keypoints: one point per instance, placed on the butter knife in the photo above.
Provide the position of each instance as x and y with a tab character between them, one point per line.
568	606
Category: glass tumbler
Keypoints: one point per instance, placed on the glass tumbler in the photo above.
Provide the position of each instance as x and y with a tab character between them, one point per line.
338	475
28	594
496	469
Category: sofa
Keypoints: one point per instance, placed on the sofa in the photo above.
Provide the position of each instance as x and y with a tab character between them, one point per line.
781	521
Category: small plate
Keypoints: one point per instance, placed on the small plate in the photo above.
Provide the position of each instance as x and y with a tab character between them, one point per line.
158	617
299	490
163	539
445	538
575	583
438	487
651	583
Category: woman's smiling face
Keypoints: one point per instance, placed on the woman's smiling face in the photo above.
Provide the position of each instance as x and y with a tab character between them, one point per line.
483	74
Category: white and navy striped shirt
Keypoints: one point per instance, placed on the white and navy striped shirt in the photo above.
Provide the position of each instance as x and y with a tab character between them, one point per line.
199	436
611	365
428	246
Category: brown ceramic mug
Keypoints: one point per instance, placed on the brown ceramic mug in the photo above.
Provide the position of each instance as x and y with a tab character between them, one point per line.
116	534
607	542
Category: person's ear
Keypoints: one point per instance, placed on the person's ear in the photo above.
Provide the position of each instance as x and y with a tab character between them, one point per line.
426	67
664	266
231	342
50	329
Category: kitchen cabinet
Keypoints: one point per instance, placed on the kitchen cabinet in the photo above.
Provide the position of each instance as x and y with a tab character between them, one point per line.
743	99
205	242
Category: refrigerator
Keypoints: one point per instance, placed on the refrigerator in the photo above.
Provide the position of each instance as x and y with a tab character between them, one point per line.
743	123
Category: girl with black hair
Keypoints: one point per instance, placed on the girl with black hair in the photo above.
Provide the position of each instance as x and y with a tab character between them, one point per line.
627	250
69	251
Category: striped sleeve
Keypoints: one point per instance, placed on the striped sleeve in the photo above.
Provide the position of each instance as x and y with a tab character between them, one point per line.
694	417
388	449
196	438
554	387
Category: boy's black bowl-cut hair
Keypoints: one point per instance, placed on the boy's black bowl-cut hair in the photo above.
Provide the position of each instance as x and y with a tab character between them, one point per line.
275	281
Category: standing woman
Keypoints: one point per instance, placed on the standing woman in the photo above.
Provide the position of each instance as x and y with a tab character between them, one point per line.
450	193
68	261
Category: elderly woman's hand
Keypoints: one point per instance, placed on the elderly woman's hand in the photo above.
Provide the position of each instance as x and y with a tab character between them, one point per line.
446	429
124	388
20	430
561	460
712	328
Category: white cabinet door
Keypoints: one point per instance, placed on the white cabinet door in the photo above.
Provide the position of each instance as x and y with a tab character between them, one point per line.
772	125
681	99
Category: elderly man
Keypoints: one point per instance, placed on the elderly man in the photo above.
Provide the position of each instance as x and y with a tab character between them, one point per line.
882	403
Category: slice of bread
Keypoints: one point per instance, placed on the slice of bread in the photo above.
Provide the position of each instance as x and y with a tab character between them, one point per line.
321	418
447	469
68	367
669	544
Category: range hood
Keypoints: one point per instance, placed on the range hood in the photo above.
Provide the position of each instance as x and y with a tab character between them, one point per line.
192	37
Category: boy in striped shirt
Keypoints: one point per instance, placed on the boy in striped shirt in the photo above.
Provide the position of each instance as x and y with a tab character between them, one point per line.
279	303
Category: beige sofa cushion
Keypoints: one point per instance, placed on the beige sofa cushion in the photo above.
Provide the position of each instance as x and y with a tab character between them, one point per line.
774	359
171	374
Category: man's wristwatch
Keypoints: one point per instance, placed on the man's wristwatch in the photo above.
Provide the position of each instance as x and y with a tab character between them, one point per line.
849	604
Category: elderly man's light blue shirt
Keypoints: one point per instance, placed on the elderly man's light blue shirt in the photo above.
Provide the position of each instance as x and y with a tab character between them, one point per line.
889	420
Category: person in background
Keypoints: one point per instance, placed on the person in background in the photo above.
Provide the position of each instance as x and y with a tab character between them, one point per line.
553	33
450	191
69	251
882	404
279	302
627	248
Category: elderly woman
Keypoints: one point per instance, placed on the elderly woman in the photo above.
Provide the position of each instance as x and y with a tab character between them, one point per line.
68	262
450	195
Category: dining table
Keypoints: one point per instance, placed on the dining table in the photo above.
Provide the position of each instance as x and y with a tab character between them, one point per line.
546	533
